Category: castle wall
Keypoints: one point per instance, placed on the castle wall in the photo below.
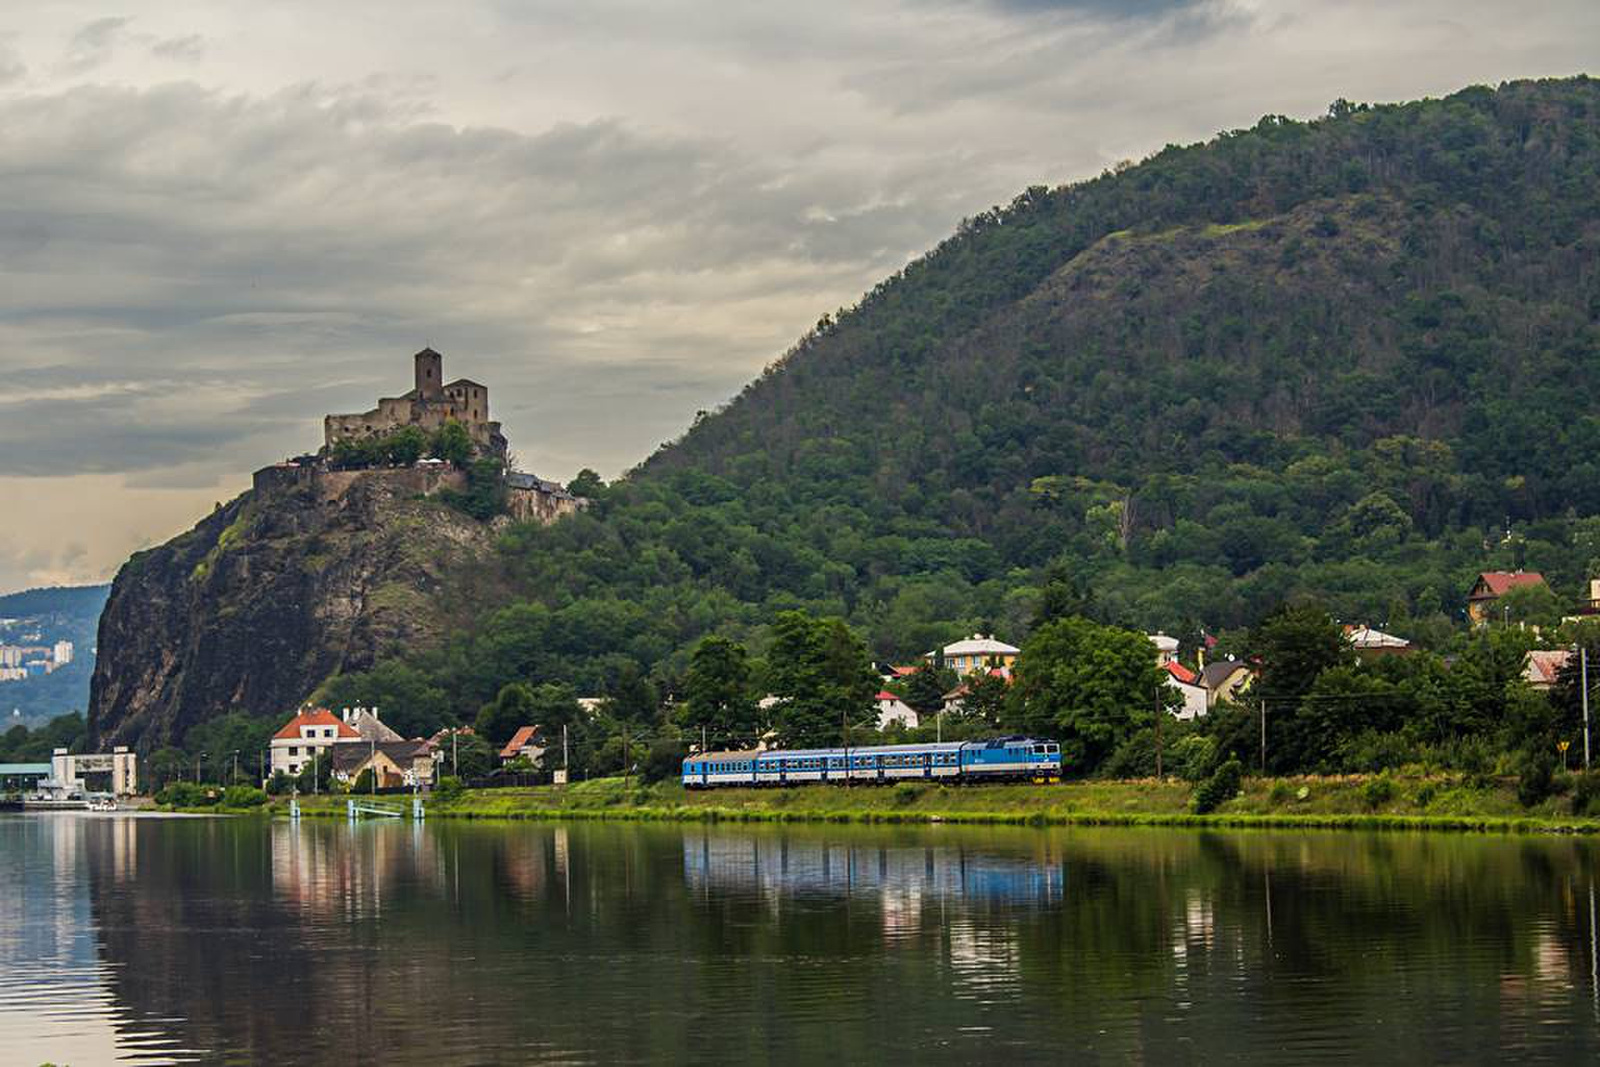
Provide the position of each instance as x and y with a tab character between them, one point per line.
533	505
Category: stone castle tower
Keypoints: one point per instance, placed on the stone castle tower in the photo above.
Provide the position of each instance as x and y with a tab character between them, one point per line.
429	405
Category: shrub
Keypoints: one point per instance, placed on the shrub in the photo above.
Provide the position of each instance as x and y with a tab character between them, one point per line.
189	795
243	796
1535	778
1425	795
907	793
363	782
1586	793
664	761
279	784
1280	793
449	788
1220	787
1377	792
1191	758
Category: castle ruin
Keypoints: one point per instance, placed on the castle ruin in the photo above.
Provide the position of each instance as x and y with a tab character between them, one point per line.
429	405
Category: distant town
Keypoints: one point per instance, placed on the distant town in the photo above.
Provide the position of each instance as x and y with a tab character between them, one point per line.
39	657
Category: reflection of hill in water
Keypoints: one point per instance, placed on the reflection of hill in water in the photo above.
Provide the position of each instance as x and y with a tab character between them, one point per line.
458	943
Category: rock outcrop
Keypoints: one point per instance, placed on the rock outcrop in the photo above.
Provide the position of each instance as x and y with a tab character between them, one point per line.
310	573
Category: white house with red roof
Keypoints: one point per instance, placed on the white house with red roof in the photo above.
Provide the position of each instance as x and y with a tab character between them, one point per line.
1196	697
312	731
892	709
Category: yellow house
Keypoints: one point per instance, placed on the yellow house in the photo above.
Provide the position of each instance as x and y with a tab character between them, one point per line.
976	653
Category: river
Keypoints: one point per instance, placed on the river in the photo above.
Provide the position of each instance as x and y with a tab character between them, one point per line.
145	939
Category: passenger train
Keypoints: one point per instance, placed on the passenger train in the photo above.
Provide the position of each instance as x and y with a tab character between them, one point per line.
1003	759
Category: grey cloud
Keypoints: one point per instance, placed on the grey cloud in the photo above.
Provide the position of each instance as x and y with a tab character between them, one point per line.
12	68
186	49
93	43
220	271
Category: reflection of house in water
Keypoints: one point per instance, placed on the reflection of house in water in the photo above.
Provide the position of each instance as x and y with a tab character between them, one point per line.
780	866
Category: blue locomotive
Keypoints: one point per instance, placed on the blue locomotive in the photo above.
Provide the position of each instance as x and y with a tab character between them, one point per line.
1002	759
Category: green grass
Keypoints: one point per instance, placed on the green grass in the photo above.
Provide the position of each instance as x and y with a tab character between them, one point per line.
1420	803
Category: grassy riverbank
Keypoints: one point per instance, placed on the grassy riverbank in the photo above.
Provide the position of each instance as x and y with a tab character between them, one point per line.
1442	803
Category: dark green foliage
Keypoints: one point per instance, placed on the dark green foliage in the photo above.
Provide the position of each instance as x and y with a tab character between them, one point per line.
469	757
22	745
1535	778
410	702
1586	793
718	699
1376	792
1090	686
280	784
452	443
511	709
449	787
364	782
190	795
822	676
243	796
587	484
664	761
925	688
1222	786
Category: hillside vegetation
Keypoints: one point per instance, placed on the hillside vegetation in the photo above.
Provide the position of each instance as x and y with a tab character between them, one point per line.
1349	358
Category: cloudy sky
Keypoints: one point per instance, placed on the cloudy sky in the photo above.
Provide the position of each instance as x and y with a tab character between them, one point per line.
220	220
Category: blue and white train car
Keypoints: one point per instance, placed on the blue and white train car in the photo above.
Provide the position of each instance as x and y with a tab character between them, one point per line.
1000	759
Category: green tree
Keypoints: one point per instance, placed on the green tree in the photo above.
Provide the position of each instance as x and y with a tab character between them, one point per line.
586	483
452	443
925	688
470	757
1088	685
988	694
822	675
717	694
410	701
632	699
512	708
1533	605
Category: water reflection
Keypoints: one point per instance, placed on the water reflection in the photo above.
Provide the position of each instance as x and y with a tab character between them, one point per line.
318	942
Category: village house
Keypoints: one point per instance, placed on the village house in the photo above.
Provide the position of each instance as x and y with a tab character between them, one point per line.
892	709
1196	699
524	744
976	653
1224	680
1491	586
310	733
1374	644
1544	666
396	764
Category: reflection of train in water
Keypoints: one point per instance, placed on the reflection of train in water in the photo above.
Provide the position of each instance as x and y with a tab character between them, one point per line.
1002	759
784	865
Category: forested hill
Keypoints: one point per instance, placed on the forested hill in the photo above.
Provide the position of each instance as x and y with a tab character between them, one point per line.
1338	355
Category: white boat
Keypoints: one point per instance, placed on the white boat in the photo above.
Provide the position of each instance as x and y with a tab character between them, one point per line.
102	802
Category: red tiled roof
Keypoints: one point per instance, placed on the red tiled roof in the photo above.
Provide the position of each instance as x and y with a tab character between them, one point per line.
884	694
523	735
1498	583
314	717
1181	673
905	671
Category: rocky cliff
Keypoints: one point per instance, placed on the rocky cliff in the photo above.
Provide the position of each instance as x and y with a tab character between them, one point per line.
308	574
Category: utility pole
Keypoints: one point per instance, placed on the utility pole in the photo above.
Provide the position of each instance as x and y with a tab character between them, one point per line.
625	760
372	756
1263	736
1160	714
1583	663
235	767
844	732
566	766
455	766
